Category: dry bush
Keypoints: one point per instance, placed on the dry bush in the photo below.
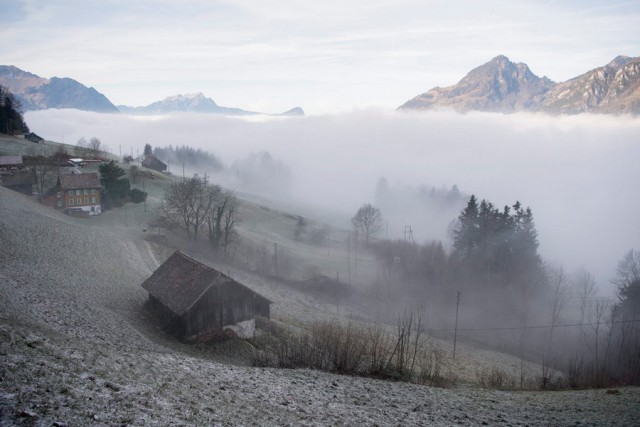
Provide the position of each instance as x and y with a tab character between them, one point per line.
354	349
496	378
431	370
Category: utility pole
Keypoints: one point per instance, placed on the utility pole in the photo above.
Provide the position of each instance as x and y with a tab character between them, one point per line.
455	333
145	195
349	258
275	251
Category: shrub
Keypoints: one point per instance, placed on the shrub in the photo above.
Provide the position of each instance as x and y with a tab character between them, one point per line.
137	196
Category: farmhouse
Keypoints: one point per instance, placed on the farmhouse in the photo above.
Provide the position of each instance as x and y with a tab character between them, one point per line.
34	138
79	194
152	162
196	302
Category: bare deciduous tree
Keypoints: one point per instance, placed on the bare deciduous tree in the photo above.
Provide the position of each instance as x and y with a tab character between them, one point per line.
186	206
41	171
95	146
82	148
367	221
222	220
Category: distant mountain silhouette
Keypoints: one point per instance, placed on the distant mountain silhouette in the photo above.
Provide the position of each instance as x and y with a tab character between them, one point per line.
197	103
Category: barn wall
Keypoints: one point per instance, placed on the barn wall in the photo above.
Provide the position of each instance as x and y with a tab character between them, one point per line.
222	306
169	320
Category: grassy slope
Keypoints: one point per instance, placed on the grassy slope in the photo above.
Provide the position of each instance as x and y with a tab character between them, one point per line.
77	346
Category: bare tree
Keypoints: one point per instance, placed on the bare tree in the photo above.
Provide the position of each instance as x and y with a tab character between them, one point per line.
41	171
82	147
95	146
222	220
367	221
559	294
186	206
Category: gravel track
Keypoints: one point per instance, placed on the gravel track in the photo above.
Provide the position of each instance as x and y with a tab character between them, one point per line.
76	348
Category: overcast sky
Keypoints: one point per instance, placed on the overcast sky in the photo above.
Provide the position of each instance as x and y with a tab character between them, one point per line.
324	56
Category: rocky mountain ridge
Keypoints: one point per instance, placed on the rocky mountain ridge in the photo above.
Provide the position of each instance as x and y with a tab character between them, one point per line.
39	93
503	86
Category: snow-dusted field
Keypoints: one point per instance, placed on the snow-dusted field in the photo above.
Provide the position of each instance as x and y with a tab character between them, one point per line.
77	348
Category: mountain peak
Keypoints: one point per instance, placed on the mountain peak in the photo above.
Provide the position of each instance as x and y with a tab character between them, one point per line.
500	59
619	61
498	85
503	86
186	96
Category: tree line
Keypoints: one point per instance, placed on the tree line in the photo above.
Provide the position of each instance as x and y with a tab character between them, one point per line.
11	120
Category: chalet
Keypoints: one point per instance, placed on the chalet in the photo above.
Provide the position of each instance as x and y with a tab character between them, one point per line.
197	302
11	162
34	138
152	162
78	194
19	180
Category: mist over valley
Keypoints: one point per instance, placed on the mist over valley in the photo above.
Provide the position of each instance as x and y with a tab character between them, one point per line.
577	173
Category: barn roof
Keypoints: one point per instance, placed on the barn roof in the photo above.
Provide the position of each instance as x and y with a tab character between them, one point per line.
181	280
154	163
10	160
79	181
16	178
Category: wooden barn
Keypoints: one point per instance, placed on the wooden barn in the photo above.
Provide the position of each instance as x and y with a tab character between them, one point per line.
196	302
152	162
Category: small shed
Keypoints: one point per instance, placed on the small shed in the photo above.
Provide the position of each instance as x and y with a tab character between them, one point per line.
19	180
34	138
152	162
11	162
196	302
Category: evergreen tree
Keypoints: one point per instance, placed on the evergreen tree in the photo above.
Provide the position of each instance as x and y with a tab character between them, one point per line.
627	280
467	233
497	246
115	186
147	150
11	120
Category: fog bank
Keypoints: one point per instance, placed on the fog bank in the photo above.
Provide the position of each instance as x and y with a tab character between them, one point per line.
579	174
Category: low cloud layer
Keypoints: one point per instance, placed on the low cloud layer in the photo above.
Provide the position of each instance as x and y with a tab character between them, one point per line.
579	174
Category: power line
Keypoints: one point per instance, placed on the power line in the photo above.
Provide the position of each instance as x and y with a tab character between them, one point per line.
511	328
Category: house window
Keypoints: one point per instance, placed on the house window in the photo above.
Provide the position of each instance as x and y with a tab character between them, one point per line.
86	200
70	201
59	203
93	191
71	193
59	194
86	192
93	200
78	192
79	201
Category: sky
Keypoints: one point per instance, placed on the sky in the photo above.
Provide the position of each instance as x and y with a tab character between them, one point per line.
324	56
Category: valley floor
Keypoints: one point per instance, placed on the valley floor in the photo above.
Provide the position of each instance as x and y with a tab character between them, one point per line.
77	348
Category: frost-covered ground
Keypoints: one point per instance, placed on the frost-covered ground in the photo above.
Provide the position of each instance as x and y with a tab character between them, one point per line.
77	348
